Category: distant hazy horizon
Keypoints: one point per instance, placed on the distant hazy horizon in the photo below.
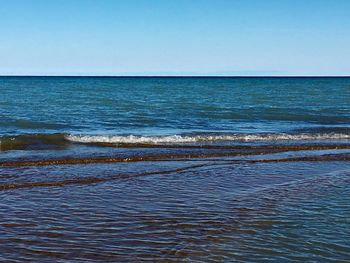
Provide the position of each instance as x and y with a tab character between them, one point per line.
176	76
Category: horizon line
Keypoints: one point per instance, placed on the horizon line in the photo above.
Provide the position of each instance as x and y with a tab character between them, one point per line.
186	76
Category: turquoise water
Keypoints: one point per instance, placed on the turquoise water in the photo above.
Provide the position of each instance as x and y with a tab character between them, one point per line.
174	169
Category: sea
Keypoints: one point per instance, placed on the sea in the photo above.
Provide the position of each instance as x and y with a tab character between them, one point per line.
174	169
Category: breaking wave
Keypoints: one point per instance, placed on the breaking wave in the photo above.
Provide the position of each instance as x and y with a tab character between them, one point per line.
59	140
170	139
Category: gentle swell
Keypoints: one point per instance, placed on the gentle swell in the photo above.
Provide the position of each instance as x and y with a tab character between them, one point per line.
59	140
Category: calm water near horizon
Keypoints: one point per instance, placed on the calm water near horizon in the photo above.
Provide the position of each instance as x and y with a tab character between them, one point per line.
174	169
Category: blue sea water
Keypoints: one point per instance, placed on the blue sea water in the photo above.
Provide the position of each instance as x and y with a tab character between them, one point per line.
102	169
173	106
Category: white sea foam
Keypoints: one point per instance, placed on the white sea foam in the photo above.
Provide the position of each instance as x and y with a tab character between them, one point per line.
133	139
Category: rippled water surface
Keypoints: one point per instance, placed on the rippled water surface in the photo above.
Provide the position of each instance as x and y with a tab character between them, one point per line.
203	210
174	169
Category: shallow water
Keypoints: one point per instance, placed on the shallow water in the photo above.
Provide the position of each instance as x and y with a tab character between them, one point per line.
202	210
174	169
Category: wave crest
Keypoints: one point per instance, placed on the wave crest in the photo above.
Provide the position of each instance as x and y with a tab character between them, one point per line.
168	139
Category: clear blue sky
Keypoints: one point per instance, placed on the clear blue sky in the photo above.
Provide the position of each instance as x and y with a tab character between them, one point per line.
175	37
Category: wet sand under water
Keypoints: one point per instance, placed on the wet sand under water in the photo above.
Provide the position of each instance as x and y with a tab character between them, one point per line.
261	203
